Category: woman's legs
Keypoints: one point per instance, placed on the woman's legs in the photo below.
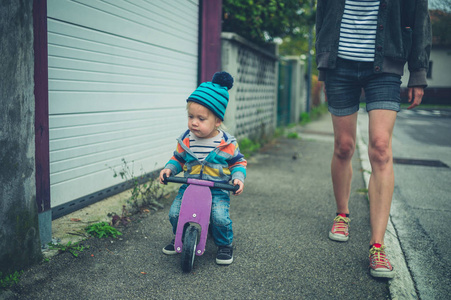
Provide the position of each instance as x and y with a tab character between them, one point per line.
381	185
341	167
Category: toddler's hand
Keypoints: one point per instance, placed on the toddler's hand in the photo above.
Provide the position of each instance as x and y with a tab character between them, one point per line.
240	184
164	171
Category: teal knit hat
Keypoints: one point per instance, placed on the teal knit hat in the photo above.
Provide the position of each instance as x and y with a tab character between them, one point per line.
214	95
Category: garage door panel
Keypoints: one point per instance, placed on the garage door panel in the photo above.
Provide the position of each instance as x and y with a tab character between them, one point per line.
69	58
107	87
90	76
134	14
79	59
101	69
70	47
92	164
71	35
77	157
89	102
100	180
108	118
83	166
84	135
110	19
177	15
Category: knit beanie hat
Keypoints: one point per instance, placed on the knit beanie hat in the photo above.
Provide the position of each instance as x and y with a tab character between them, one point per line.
214	95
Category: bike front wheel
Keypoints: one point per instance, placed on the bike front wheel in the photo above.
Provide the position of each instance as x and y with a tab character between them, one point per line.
189	248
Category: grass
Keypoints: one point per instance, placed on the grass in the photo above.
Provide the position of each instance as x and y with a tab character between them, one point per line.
102	229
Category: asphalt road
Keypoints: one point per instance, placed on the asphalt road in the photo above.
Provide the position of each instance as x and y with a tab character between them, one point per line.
421	208
282	250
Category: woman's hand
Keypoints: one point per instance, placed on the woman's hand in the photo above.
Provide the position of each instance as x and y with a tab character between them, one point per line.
415	95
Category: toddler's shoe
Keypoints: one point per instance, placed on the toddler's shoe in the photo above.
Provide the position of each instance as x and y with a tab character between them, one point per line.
379	265
224	256
170	249
340	228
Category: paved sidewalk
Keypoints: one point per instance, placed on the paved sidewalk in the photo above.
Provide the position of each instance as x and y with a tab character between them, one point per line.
282	250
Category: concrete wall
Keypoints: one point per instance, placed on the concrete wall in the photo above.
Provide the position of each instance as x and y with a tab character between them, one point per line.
252	108
19	233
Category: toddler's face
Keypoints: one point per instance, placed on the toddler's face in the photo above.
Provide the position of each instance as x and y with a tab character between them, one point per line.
201	121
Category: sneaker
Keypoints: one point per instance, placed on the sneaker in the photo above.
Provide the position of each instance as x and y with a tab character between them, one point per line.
340	229
224	256
379	264
170	249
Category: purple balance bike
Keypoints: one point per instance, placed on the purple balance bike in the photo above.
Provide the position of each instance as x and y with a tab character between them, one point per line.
194	217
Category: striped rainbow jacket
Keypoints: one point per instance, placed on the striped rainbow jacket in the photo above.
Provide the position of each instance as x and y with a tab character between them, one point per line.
223	164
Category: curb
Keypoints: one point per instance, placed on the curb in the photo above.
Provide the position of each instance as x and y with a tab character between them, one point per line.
402	286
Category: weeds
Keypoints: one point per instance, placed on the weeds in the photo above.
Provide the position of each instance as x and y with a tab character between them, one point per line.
362	191
280	131
74	249
123	219
248	147
293	135
314	114
143	192
317	111
102	229
9	280
305	118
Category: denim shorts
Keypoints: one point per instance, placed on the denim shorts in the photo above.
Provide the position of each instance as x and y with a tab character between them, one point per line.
344	86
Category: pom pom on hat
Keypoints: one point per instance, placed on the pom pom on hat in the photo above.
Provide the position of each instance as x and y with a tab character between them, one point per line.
214	95
223	79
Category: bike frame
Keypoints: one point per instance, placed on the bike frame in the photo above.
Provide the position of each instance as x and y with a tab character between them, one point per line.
196	208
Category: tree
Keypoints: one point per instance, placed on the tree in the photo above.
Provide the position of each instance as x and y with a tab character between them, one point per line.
261	21
444	5
441	23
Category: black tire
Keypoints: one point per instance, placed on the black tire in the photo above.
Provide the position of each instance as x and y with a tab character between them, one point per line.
189	248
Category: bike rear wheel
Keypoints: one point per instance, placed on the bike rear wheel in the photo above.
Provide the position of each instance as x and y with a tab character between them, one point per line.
189	248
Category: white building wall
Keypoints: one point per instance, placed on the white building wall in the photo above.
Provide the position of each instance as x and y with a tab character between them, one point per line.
441	66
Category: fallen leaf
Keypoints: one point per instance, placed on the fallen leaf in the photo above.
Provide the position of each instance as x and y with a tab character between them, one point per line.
144	273
75	220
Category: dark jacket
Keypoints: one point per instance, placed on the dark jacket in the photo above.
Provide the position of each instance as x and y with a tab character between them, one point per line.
403	35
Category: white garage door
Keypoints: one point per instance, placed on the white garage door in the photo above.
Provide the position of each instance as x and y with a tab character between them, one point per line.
119	74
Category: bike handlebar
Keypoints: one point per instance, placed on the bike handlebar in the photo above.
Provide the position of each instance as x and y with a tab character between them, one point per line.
224	186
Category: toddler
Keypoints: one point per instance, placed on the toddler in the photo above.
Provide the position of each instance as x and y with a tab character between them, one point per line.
206	152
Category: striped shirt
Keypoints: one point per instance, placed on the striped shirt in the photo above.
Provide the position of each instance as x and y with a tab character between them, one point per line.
202	147
358	30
